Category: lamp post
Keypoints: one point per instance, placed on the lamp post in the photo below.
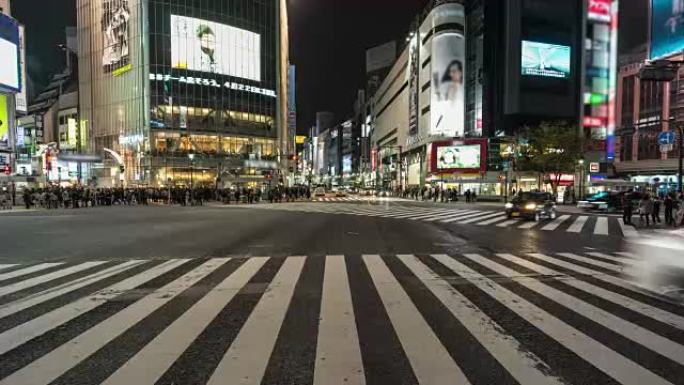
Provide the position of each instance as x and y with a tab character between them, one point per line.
191	156
581	179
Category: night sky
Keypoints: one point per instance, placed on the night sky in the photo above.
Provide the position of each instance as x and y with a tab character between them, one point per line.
328	40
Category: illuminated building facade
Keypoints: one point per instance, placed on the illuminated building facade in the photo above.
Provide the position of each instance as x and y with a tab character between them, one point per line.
183	92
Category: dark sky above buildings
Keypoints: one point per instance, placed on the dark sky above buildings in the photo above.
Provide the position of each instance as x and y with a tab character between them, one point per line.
328	39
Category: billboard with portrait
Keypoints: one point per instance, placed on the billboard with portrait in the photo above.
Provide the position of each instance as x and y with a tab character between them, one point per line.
116	17
467	156
545	60
667	27
207	46
10	75
448	94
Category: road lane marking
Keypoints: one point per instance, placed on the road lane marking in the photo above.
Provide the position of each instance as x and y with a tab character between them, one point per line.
28	270
556	223
628	230
492	221
601	227
338	353
14	337
46	295
520	363
52	365
430	361
21	285
150	363
508	223
246	360
479	218
624	301
578	225
608	361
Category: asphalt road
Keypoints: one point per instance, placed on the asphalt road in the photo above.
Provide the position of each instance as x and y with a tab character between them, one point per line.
383	292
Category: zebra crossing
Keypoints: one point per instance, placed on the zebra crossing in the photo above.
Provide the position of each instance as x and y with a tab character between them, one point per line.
355	198
554	318
568	223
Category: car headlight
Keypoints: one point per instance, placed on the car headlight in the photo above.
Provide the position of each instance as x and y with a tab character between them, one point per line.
509	205
531	206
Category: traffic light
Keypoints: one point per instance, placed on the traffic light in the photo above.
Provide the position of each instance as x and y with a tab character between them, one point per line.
7	169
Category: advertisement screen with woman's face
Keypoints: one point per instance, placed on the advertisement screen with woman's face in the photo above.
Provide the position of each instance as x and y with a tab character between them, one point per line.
448	94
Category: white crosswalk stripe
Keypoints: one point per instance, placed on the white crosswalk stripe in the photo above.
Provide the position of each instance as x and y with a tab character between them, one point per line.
498	303
579	224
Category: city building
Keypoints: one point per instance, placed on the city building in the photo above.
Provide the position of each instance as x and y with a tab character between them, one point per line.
11	83
647	109
184	92
47	135
474	73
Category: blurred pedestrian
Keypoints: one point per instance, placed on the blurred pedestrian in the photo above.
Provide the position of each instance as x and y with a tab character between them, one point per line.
669	210
656	210
645	209
626	209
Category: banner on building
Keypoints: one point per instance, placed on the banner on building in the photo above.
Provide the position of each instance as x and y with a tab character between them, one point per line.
116	17
448	94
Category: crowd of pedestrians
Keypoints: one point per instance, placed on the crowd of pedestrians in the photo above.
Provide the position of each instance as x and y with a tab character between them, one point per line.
436	194
650	206
56	197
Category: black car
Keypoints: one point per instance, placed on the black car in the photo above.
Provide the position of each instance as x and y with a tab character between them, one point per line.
532	205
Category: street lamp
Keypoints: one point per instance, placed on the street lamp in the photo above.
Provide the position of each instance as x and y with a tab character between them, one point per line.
191	156
581	178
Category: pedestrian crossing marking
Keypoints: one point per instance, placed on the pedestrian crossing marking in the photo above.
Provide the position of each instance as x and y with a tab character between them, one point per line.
500	218
536	298
28	270
25	284
591	261
7	266
246	359
628	230
528	225
619	299
337	350
601	226
508	223
631	331
430	360
524	367
590	350
37	326
556	223
149	364
578	225
47	368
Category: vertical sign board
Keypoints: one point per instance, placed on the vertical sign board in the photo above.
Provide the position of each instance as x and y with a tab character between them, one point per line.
4	122
21	97
447	107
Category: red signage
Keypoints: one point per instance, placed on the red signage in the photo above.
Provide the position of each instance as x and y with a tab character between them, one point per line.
374	159
455	143
599	10
7	169
590	121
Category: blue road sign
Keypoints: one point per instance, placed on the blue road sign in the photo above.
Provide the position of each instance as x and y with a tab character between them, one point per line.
667	137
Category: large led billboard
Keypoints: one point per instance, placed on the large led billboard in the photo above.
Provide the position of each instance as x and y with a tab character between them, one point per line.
667	27
545	60
448	93
116	16
207	46
10	77
466	156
